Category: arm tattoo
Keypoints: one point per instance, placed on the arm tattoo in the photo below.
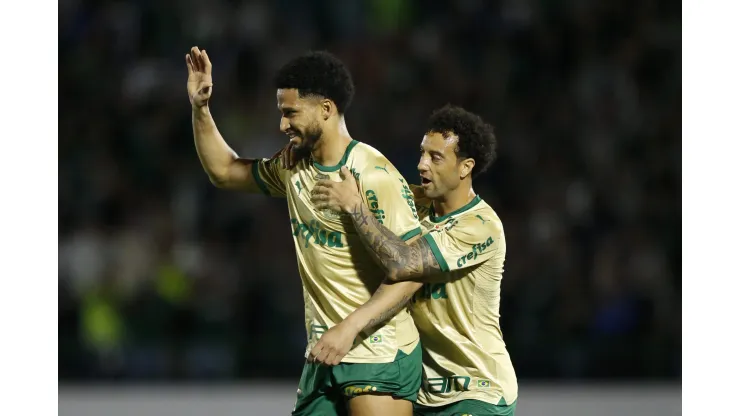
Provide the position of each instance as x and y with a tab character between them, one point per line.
399	260
388	313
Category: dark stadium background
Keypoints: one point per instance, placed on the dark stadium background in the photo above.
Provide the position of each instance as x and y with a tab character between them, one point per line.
162	277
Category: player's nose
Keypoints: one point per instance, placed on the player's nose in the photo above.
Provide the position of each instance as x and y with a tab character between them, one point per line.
284	124
423	166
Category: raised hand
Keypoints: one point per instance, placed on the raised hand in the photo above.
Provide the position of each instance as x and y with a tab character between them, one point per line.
200	82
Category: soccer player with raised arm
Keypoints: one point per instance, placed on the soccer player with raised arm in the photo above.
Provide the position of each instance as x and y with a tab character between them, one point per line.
458	265
381	373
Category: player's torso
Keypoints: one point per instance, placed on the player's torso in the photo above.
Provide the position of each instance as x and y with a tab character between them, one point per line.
458	322
337	272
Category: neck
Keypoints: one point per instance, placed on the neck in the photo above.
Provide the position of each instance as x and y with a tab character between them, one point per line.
454	200
328	151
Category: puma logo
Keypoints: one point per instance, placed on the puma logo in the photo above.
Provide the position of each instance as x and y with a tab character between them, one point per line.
385	168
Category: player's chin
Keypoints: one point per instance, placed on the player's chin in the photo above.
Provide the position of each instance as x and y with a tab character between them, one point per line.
301	145
428	188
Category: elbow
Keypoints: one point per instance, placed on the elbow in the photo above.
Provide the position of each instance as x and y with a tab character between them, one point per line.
396	275
219	180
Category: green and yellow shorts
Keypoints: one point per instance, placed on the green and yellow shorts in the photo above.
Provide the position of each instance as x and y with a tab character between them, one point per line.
324	390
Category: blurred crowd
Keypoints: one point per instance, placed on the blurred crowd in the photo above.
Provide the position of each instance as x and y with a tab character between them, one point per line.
164	277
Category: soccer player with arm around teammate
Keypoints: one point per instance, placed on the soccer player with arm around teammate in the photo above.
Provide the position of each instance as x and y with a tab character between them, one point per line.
459	261
380	373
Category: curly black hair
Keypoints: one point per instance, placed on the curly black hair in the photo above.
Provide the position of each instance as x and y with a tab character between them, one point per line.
475	137
321	74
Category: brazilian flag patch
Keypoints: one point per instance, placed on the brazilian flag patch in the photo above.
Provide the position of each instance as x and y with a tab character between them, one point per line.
484	384
376	339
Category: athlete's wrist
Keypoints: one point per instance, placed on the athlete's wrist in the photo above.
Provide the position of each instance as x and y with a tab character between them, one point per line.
355	322
201	111
354	204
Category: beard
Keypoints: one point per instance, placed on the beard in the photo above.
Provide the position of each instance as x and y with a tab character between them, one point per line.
309	138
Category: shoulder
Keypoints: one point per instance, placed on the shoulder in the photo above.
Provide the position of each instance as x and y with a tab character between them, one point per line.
367	160
478	225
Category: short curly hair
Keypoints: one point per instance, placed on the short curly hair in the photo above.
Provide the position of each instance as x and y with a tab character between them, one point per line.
318	73
475	137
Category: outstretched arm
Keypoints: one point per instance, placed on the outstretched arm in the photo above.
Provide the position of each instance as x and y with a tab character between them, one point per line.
224	167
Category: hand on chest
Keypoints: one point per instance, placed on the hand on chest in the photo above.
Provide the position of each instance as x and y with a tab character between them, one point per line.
302	183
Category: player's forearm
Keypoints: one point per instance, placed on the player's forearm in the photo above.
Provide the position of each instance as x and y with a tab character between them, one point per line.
385	303
387	249
399	260
214	153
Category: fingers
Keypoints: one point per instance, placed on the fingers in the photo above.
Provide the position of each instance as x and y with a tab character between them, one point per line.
291	157
288	156
324	183
330	357
189	64
337	359
345	174
316	350
320	190
207	67
195	58
319	204
322	355
205	91
320	199
280	154
277	154
200	60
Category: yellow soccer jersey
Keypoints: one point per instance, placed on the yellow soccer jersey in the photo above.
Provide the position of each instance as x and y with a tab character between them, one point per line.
337	271
457	314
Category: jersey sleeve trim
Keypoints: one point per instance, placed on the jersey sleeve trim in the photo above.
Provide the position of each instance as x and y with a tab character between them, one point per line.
437	254
411	234
256	174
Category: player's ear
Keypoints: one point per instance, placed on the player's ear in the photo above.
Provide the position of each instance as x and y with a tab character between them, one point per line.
327	108
466	167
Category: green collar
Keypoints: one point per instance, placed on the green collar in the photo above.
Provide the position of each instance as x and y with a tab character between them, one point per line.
467	206
341	163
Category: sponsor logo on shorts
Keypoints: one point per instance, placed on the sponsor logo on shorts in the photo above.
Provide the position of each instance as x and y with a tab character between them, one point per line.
447	384
352	391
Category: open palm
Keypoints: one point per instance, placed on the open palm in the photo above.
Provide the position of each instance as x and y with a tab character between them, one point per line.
200	82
